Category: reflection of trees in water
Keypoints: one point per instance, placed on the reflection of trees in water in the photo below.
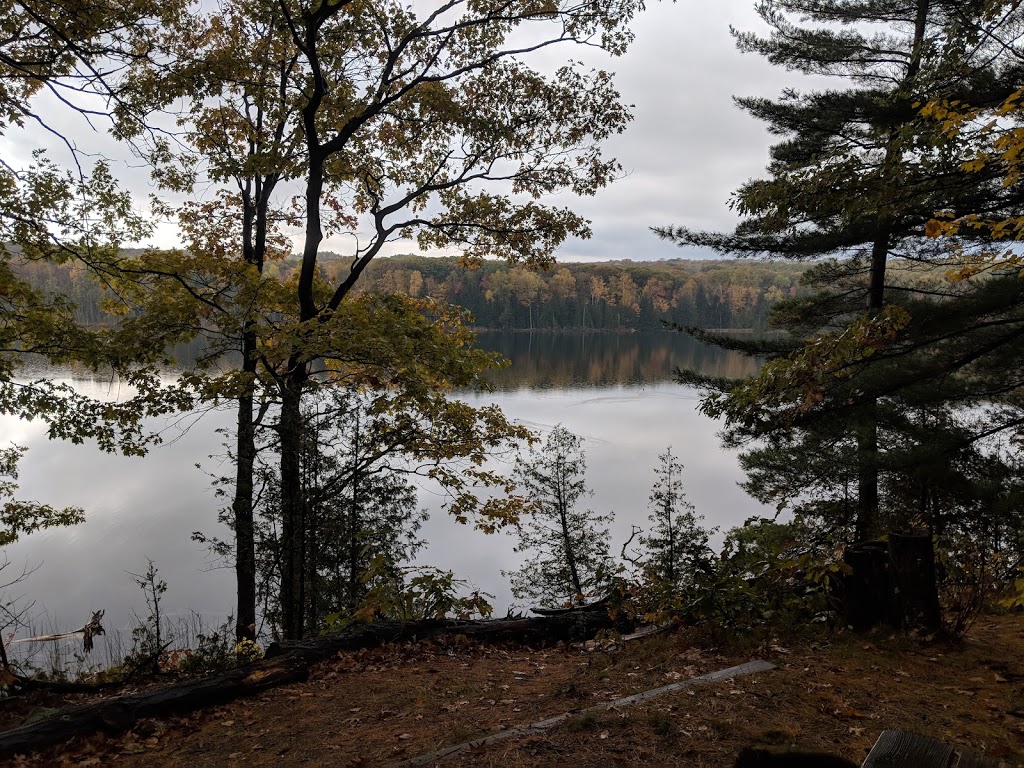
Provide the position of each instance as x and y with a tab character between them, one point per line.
564	360
552	360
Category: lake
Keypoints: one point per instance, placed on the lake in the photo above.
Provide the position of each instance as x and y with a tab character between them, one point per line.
616	391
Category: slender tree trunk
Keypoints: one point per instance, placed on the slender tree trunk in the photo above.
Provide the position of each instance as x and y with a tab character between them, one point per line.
354	523
242	504
570	554
867	527
311	525
255	195
292	506
671	543
570	559
294	381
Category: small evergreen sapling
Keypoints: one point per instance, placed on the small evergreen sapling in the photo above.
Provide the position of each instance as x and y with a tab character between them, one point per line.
674	554
568	560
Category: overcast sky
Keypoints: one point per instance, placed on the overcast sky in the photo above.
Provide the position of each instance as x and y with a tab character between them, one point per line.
686	151
689	146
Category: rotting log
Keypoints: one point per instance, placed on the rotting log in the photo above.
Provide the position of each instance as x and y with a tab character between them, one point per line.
916	593
287	663
866	588
119	713
569	626
597	605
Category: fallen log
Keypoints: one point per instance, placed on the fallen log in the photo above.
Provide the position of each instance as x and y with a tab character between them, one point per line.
119	713
597	605
286	662
570	626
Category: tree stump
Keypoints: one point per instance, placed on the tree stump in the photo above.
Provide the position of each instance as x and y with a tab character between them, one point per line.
867	587
916	593
892	583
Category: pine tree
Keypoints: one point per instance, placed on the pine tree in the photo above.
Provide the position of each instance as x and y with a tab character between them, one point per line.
856	177
360	513
568	560
675	552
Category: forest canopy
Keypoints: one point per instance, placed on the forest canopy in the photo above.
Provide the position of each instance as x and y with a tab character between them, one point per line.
615	295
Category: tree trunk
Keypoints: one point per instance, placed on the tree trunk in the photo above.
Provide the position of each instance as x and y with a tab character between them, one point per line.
292	503
256	198
241	506
892	583
289	662
570	554
916	596
572	625
119	713
867	526
354	583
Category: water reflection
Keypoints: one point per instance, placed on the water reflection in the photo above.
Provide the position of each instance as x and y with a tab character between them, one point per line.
613	390
580	360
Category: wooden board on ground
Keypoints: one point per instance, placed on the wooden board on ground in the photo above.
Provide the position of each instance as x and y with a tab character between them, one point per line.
722	674
899	749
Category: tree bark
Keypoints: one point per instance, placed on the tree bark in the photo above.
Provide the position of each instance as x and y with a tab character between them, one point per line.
867	526
241	507
293	539
256	201
892	583
572	625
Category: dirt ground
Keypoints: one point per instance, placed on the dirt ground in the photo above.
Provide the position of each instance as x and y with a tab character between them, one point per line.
382	706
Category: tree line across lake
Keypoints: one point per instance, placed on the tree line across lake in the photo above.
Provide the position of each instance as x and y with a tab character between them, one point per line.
612	296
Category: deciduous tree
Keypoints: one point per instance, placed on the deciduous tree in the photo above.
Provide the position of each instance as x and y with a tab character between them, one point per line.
429	123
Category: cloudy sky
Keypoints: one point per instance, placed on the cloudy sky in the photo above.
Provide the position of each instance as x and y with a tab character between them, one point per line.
688	148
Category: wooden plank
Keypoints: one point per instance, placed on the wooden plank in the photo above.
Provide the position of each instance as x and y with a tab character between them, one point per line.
898	749
723	674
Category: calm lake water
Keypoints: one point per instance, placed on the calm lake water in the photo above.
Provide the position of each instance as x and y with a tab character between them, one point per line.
616	391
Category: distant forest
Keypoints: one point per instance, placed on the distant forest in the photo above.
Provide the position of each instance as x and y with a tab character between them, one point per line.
619	295
614	296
